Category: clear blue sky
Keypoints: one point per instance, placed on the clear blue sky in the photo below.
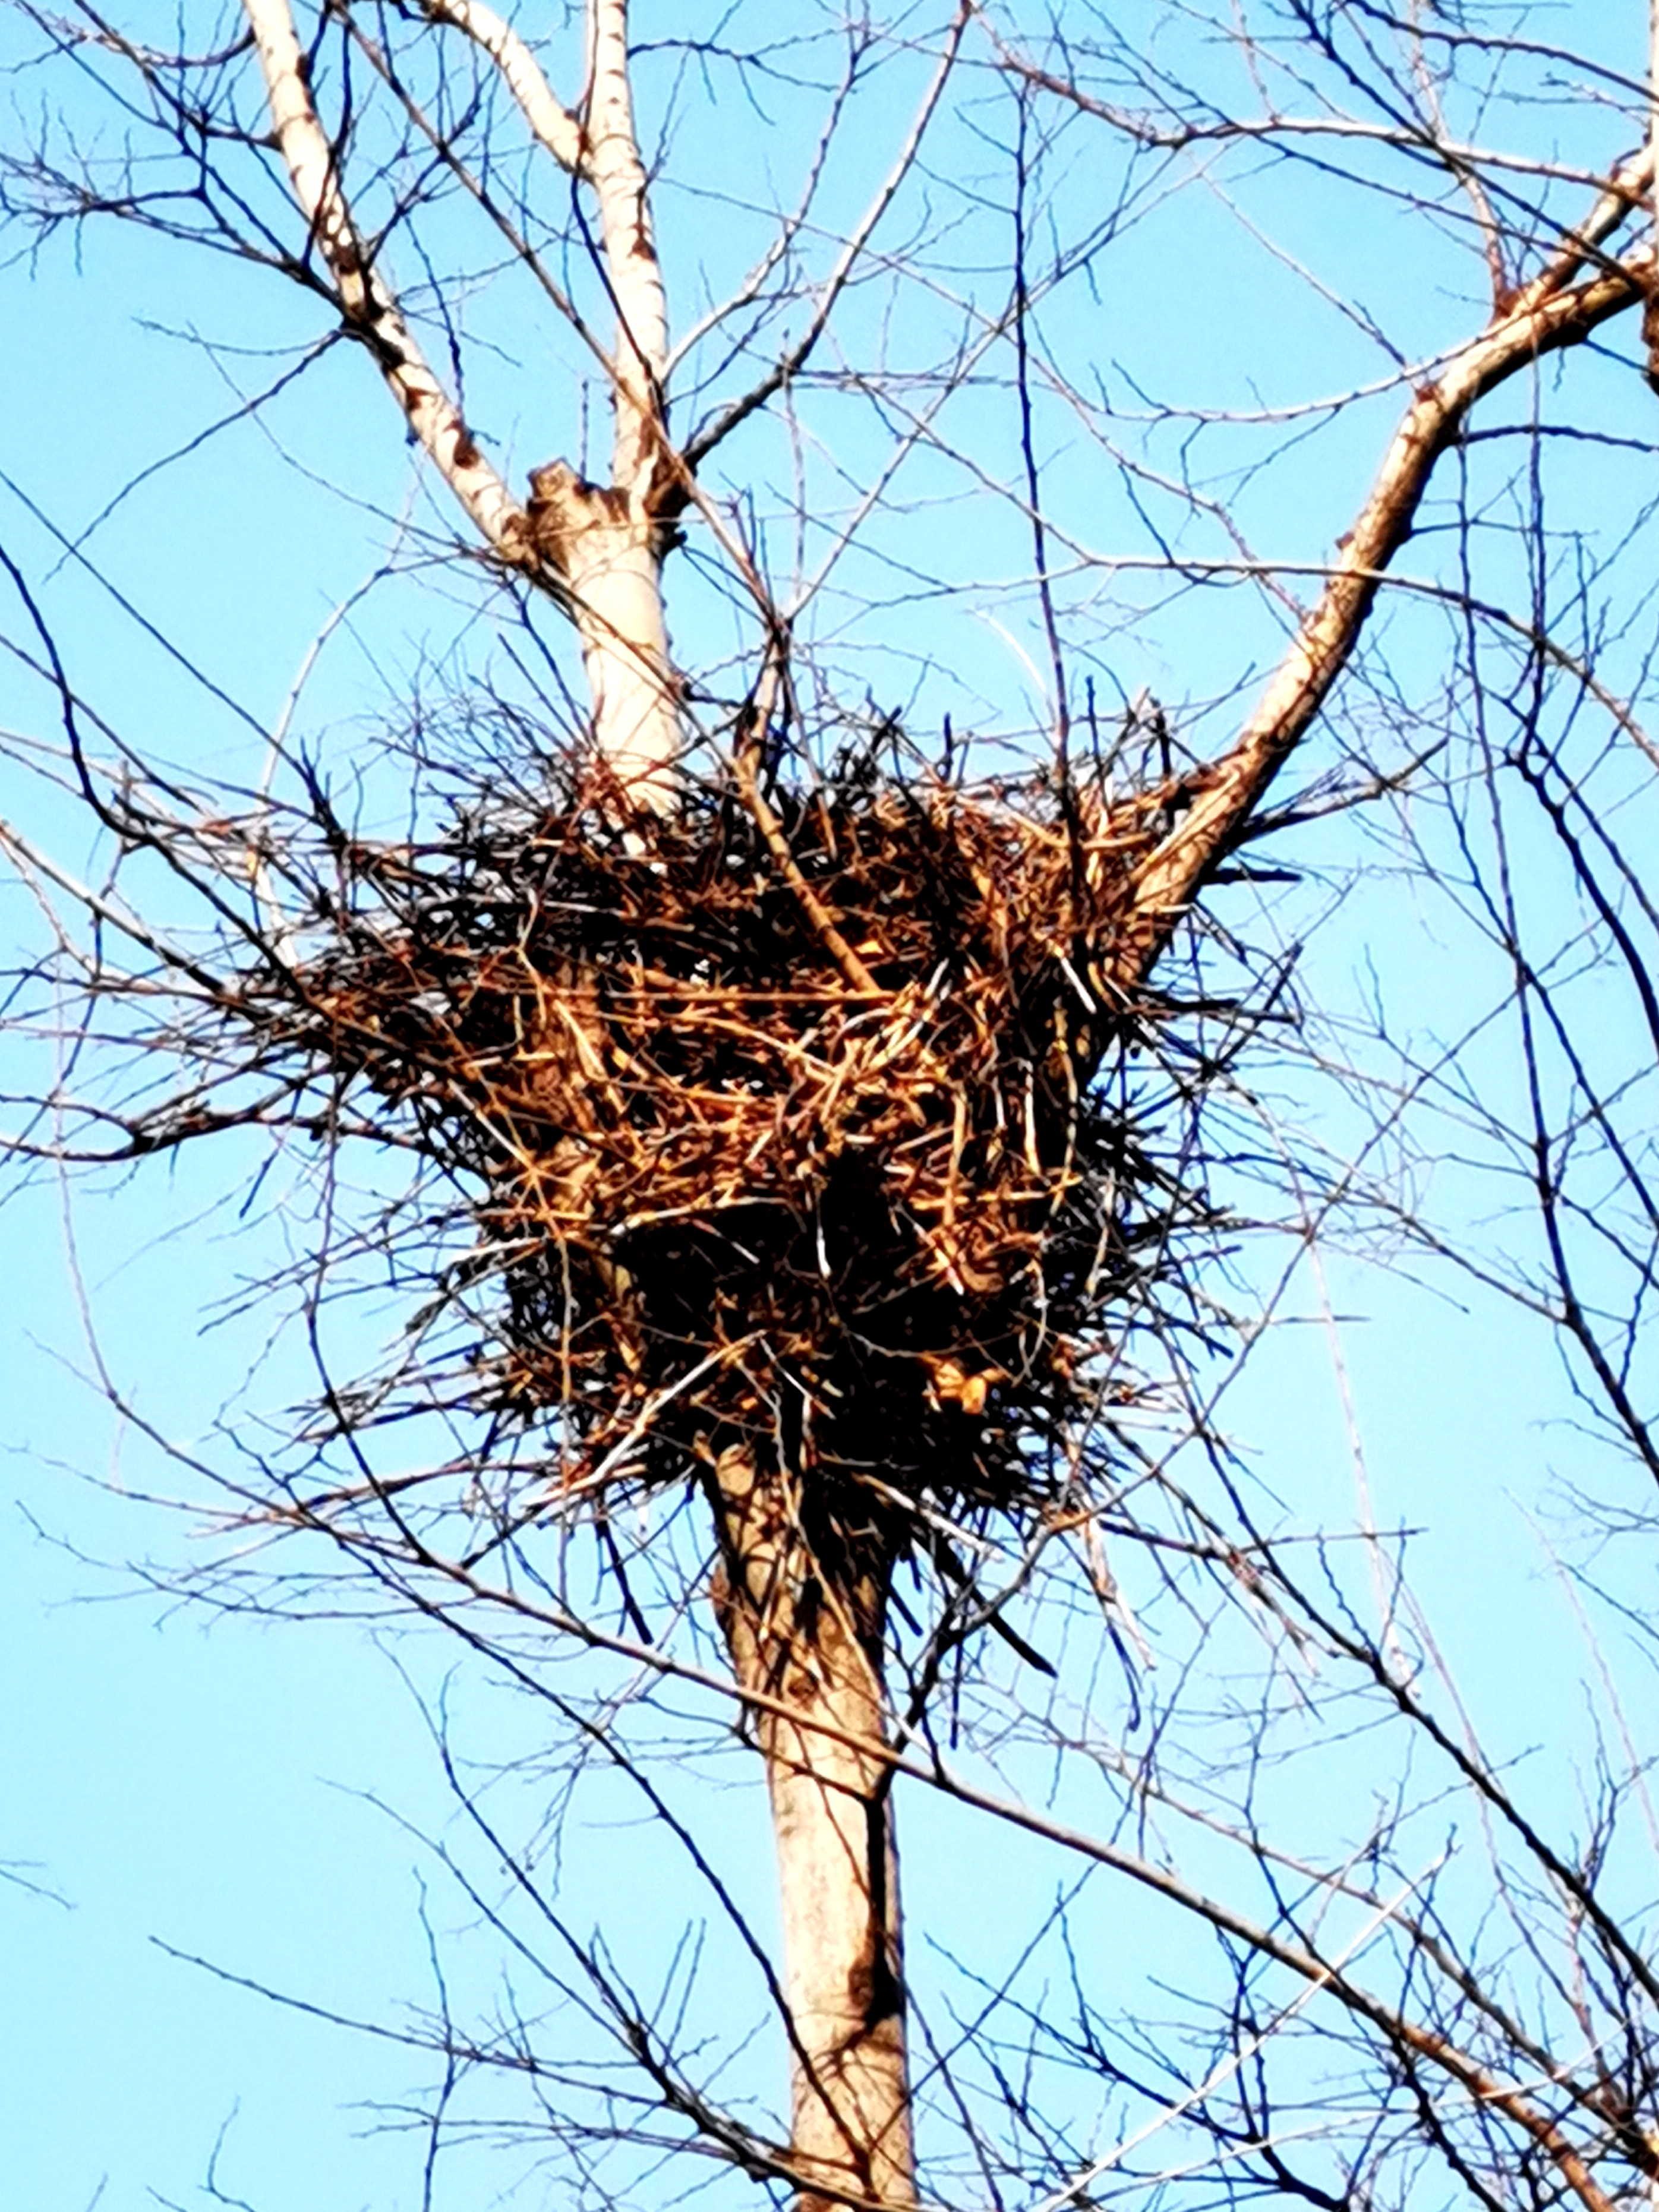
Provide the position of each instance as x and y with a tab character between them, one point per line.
208	1783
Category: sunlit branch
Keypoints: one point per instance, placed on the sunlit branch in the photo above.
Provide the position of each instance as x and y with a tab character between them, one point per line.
367	304
551	123
1548	315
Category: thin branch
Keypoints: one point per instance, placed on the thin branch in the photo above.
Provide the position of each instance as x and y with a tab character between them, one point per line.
1548	315
791	363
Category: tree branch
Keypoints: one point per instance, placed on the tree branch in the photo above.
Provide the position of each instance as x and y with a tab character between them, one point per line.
551	123
617	174
1549	313
368	307
790	363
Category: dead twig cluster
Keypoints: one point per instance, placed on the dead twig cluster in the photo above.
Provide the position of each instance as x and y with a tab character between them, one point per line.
788	1118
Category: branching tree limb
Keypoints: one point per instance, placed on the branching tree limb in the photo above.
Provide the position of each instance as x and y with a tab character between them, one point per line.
825	1172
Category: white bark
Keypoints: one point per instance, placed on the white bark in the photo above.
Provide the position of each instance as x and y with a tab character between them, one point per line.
606	548
640	453
551	123
365	302
602	544
608	542
808	1651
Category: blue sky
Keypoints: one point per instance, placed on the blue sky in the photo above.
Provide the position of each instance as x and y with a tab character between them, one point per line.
245	1791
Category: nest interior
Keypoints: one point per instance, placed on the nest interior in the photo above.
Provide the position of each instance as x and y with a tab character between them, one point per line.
785	1116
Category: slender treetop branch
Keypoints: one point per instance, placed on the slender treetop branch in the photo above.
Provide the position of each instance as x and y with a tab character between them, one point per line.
550	122
1547	314
632	269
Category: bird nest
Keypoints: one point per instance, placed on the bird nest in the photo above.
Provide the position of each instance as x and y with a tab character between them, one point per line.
785	1119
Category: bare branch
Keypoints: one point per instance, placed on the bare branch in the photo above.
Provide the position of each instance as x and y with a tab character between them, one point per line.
797	356
1548	315
367	303
630	257
551	123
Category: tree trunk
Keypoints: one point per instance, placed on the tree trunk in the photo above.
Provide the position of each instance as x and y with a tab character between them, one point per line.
808	1635
607	548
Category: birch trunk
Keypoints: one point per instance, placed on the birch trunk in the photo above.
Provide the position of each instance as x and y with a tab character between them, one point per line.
808	1639
600	546
606	548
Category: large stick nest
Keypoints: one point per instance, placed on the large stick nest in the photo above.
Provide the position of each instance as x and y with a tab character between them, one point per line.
787	1120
